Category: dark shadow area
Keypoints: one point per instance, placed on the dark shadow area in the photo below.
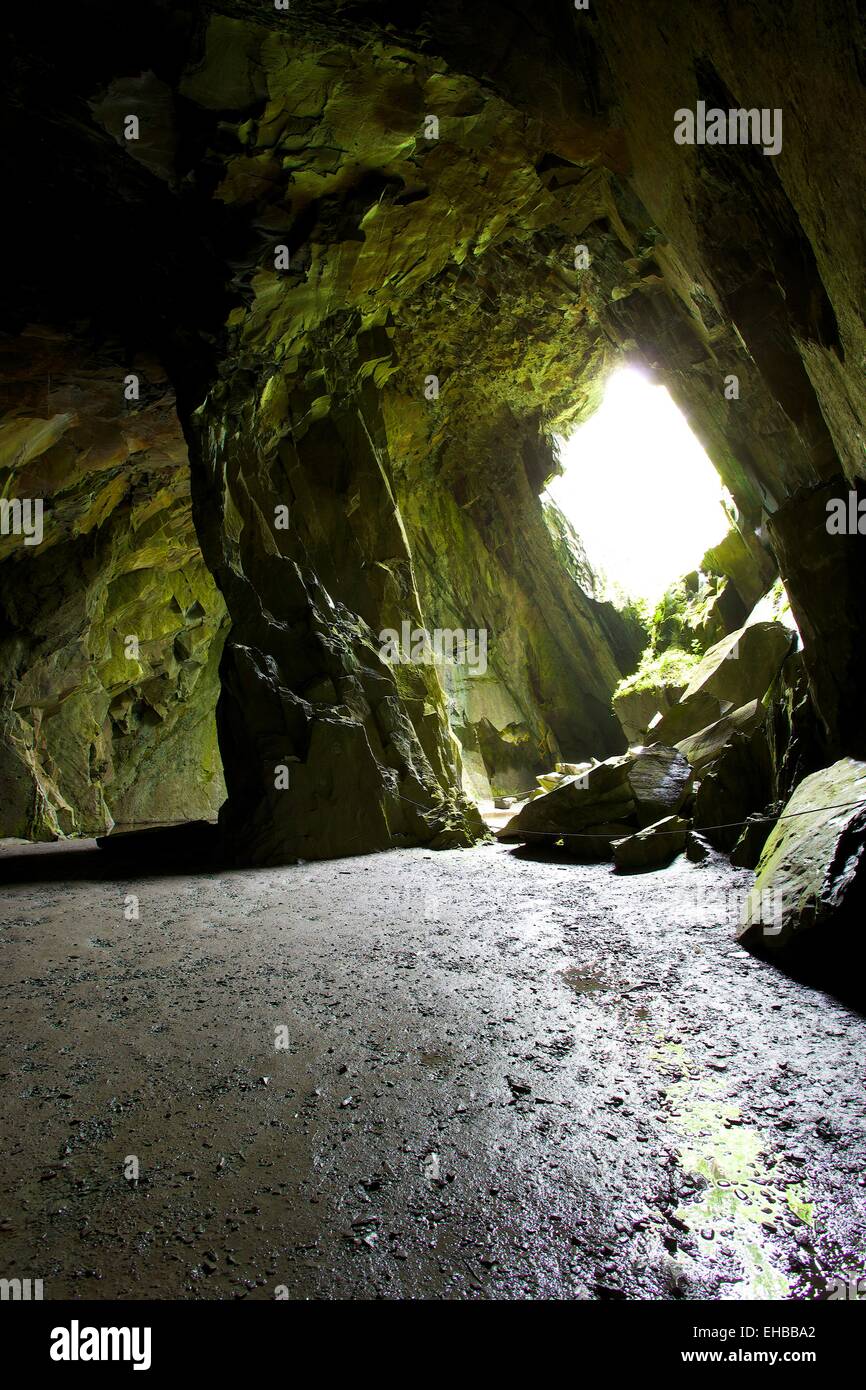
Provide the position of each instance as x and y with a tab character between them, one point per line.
835	962
158	853
548	851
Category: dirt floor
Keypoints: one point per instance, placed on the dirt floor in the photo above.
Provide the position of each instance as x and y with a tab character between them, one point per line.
473	1074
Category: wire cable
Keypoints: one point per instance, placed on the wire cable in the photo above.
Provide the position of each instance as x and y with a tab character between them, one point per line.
726	825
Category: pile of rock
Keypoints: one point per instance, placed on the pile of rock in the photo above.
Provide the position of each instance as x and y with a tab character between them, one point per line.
596	810
705	777
705	761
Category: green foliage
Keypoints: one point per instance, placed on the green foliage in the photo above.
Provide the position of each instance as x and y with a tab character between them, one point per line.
682	616
671	667
638	610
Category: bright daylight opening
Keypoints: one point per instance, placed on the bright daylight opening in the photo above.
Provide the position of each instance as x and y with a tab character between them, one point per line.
639	490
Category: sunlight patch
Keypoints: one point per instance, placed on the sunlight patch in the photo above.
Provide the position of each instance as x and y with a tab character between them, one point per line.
639	490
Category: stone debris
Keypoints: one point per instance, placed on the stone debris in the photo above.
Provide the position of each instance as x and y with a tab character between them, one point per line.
605	802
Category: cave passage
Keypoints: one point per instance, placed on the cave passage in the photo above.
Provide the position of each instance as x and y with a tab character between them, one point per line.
433	657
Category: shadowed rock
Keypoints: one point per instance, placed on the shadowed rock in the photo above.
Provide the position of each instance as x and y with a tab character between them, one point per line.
750	845
299	381
736	671
738	784
637	708
810	888
652	847
704	747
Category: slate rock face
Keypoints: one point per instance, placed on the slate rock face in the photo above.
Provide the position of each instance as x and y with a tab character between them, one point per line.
636	709
111	629
738	784
795	732
752	839
810	889
748	566
703	748
660	779
829	609
688	718
743	665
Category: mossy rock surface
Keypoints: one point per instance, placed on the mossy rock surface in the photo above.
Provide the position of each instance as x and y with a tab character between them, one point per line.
810	887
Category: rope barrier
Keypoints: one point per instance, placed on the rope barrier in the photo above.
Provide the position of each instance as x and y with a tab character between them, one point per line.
726	825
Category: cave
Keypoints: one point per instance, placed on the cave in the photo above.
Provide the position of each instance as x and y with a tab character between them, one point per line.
393	907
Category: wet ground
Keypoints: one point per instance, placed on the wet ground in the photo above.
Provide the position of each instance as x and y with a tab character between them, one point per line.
472	1074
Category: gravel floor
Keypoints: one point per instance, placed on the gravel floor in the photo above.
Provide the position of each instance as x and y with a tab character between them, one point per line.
472	1074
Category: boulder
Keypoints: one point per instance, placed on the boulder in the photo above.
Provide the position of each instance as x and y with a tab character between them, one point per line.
636	709
738	785
697	848
603	794
733	673
684	720
596	844
660	779
741	557
810	888
724	613
743	665
652	847
704	747
753	837
547	781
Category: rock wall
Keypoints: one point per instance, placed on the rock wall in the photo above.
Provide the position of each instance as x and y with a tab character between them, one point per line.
407	451
486	557
327	749
110	627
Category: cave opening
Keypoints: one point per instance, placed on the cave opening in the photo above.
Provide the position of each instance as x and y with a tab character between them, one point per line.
639	490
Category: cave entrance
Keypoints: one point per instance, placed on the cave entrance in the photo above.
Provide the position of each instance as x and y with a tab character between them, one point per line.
639	490
644	504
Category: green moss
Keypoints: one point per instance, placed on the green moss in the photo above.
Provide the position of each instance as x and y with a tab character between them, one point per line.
682	616
744	1190
671	667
